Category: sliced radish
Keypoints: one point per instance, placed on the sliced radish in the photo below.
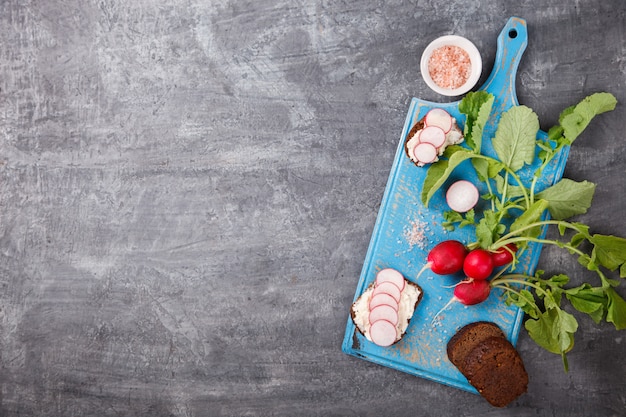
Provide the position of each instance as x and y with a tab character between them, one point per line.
433	135
390	275
425	153
388	288
383	333
383	299
462	196
384	312
440	118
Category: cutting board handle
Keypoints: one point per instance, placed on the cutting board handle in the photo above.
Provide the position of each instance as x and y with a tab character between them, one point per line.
512	42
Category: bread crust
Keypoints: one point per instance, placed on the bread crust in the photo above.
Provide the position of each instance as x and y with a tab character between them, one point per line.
419	125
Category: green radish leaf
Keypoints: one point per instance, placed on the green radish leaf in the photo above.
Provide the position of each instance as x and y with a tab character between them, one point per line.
531	215
452	218
553	330
580	236
566	112
488	229
575	120
616	309
568	198
609	251
439	172
524	300
481	166
589	300
555	133
512	191
477	107
515	137
481	121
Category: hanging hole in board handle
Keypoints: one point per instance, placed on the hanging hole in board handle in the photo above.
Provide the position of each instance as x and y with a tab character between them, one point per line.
512	33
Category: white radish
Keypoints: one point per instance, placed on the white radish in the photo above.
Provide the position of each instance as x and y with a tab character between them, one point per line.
383	333
383	299
425	152
388	288
384	312
462	196
433	135
440	118
390	275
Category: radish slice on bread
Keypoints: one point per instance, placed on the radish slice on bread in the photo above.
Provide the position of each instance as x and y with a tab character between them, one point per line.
440	118
383	333
437	128
433	135
425	153
383	299
388	288
390	275
384	312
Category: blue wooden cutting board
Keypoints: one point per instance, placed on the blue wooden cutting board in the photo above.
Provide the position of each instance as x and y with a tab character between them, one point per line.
422	351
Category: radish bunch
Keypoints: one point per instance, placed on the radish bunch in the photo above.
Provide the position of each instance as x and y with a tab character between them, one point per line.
384	305
451	256
431	140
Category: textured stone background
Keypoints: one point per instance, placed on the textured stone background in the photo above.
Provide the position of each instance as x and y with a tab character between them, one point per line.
188	189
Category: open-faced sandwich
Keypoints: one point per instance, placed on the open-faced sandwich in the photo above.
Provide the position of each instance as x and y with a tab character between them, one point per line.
383	312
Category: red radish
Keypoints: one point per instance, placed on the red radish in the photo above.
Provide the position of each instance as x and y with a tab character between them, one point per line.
383	333
425	153
478	264
433	135
462	196
471	291
383	299
468	292
384	312
503	255
390	275
440	118
388	288
445	258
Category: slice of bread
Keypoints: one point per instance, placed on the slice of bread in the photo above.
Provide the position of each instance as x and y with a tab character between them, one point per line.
496	370
467	338
489	361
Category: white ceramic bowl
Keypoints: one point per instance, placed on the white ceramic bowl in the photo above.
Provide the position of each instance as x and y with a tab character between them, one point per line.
475	60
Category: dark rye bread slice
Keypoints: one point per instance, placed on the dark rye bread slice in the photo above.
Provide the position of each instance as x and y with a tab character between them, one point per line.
468	337
496	370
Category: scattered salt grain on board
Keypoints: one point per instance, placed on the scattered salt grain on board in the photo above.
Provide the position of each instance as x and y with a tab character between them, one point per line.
416	233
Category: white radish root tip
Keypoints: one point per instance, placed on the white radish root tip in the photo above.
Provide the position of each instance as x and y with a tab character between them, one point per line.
448	304
424	268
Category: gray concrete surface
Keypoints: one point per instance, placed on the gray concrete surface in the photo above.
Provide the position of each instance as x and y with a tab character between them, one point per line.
188	189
